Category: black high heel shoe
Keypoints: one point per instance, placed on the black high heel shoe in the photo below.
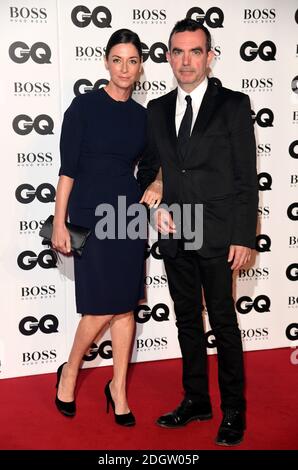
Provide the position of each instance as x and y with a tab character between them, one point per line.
67	408
126	419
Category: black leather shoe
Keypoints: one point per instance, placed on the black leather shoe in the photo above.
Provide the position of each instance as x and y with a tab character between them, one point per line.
187	411
67	408
231	430
126	419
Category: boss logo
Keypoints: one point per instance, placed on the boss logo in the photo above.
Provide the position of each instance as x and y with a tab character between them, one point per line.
36	356
295	116
293	241
42	124
293	301
38	291
292	211
293	149
39	52
156	280
84	85
293	180
255	83
29	87
157	52
149	343
260	304
263	243
101	17
217	52
96	53
250	50
26	193
104	350
253	273
264	212
154	251
292	272
46	259
257	14
292	331
28	13
265	181
153	87
264	149
30	158
264	118
214	16
47	324
258	333
160	312
153	15
30	225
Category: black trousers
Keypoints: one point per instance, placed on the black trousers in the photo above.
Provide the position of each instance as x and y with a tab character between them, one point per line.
187	274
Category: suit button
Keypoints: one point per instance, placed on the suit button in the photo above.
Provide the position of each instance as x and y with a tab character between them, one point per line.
183	171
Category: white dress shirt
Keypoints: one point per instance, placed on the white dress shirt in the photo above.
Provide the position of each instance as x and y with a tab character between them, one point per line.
196	100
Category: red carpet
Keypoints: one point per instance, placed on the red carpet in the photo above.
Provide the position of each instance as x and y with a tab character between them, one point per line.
29	419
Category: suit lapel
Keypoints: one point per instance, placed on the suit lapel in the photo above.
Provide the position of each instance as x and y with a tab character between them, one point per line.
207	108
170	120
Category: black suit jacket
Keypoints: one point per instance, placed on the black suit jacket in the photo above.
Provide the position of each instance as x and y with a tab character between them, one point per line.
218	171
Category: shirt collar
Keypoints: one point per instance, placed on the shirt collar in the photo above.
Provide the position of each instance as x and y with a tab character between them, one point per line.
196	94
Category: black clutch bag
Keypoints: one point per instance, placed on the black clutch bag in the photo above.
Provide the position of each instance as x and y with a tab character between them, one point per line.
78	234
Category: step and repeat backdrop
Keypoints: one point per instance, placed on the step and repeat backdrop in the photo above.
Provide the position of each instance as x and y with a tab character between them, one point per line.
53	50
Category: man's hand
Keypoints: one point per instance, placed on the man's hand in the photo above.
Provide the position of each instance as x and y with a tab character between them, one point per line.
153	194
240	255
164	222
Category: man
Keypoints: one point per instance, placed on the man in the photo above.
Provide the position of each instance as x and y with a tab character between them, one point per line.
202	137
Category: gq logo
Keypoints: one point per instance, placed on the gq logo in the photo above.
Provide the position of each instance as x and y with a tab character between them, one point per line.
293	211
265	181
293	149
42	124
157	52
84	85
39	52
210	339
47	324
292	331
160	312
264	117
250	50
101	17
154	251
261	304
46	259
213	17
295	84
292	272
26	193
263	243
104	350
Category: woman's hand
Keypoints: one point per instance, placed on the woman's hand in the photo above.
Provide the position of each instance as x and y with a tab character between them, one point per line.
61	239
153	194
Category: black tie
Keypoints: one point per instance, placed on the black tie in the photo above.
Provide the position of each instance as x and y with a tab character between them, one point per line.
185	127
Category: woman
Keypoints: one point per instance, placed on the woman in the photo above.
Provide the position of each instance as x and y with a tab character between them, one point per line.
103	135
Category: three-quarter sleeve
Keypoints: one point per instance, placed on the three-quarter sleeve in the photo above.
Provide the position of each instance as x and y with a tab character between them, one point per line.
70	140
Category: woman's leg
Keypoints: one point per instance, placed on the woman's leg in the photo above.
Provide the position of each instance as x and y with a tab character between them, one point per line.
122	331
88	329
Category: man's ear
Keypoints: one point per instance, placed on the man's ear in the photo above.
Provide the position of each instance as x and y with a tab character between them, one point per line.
168	56
106	63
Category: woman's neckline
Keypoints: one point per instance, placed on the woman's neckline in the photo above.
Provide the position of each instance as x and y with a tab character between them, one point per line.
113	99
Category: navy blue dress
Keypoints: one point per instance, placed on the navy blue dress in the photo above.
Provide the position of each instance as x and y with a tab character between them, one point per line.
101	140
